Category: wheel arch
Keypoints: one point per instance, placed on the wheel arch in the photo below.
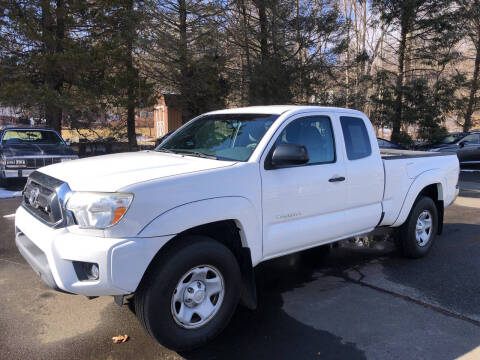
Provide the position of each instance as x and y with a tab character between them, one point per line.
431	184
231	221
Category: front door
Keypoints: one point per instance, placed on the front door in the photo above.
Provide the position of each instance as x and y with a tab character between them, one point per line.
304	205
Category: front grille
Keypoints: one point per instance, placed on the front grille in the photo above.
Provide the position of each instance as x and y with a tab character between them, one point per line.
35	163
41	198
50	161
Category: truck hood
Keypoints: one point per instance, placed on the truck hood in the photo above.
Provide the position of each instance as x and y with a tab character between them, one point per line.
110	173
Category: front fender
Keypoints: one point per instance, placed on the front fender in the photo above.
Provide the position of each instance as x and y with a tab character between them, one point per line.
190	215
429	177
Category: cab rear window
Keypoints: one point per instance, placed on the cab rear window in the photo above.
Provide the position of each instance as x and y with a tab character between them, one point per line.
357	142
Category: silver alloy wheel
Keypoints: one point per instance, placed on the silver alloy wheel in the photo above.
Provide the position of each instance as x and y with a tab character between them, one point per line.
423	229
198	296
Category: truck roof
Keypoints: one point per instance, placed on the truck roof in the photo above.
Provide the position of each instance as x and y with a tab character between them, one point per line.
278	109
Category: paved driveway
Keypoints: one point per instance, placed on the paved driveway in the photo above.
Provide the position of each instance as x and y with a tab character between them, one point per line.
354	304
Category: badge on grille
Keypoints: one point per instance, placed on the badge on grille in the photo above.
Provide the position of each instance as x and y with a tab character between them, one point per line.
33	196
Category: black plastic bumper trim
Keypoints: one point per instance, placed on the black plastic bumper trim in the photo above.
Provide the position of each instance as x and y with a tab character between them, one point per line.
37	260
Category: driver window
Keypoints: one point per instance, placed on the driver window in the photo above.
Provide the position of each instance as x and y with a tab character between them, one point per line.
472	139
315	133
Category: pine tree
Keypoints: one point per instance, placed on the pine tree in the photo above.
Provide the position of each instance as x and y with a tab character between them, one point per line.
42	53
471	20
117	35
427	33
186	53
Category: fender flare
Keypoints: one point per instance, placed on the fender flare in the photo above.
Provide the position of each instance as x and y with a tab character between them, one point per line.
427	178
205	211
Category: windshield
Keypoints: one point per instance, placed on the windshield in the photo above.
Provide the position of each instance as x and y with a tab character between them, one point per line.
450	139
11	137
224	137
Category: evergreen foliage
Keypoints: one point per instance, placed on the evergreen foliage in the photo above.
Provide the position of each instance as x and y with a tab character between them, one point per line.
410	65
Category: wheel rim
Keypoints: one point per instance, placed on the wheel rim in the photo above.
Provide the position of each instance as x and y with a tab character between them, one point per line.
423	229
198	296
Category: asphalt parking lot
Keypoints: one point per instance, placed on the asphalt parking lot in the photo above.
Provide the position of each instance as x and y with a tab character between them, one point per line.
356	303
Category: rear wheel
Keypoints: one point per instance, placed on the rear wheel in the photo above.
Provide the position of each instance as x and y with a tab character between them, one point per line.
416	236
190	293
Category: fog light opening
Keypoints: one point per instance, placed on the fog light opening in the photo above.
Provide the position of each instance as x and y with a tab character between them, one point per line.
86	271
94	272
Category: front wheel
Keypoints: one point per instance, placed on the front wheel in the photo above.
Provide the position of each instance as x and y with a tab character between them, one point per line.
190	293
415	237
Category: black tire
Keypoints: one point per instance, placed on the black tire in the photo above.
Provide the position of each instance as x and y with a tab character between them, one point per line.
153	299
405	237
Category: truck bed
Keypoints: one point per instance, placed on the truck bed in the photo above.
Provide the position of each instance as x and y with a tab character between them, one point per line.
392	154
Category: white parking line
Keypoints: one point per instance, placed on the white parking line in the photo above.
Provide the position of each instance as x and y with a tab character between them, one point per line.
9	216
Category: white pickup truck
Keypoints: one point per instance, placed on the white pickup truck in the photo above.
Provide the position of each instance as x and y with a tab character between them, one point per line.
182	227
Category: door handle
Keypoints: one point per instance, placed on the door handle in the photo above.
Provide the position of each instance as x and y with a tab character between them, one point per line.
337	179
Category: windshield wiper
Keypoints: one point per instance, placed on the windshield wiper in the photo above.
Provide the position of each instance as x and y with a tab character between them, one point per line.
165	150
198	154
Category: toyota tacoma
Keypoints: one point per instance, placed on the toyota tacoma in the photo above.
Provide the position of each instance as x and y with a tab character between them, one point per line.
180	229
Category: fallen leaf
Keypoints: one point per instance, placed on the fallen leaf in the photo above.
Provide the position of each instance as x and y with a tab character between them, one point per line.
120	339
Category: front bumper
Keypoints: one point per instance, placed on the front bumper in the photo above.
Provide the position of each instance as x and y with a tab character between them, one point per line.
16	173
52	252
36	258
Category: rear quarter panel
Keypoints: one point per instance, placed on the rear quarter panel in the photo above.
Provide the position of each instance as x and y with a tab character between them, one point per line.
405	178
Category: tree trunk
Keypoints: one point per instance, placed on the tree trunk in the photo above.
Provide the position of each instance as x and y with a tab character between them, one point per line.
264	53
183	58
473	90
182	9
262	15
52	38
131	132
132	75
397	120
246	72
348	15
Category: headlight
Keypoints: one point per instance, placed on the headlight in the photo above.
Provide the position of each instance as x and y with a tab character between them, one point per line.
98	210
434	150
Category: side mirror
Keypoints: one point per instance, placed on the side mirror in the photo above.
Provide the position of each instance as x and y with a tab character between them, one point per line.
289	154
462	143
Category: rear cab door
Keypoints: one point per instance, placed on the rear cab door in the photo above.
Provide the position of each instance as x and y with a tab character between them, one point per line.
365	178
